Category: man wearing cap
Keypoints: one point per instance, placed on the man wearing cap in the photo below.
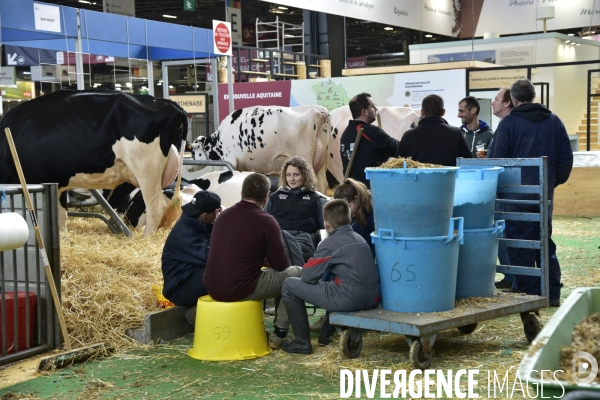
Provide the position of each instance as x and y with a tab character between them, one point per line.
186	250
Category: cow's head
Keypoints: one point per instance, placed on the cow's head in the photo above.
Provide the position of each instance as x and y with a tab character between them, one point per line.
208	148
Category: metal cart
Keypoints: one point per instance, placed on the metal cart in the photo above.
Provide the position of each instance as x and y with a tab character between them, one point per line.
421	329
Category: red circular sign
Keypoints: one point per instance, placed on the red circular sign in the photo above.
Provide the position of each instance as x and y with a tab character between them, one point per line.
222	38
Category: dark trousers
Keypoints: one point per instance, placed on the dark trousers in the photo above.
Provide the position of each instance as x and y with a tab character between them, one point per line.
188	292
531	257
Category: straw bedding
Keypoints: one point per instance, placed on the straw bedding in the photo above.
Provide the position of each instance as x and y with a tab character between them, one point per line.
106	281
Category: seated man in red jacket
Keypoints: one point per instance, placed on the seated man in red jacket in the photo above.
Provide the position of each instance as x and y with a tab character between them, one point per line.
242	238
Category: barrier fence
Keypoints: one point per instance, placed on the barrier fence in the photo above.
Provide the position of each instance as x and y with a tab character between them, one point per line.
27	313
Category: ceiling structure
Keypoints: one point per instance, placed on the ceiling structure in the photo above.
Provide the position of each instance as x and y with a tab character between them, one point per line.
363	38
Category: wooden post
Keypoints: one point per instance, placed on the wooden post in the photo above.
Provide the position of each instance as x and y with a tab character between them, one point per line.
325	68
301	70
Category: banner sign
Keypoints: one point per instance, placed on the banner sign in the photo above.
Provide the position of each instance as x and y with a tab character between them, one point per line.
356	62
437	16
7	76
234	15
26	57
519	16
47	17
191	103
119	7
483	55
21	90
249	94
495	79
222	35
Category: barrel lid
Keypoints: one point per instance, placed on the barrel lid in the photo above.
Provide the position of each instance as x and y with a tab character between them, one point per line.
10	298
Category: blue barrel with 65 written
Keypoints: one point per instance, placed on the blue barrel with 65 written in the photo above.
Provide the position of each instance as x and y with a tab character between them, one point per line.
418	274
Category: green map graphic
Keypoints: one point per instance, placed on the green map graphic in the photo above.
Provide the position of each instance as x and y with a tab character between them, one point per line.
330	95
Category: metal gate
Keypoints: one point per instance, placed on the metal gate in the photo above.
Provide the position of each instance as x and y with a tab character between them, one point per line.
27	317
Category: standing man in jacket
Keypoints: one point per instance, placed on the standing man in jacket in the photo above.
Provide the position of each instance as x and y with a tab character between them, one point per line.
186	250
531	130
475	131
433	140
375	146
502	103
501	106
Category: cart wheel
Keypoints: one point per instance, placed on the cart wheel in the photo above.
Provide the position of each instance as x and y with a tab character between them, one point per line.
418	359
349	349
532	327
467	329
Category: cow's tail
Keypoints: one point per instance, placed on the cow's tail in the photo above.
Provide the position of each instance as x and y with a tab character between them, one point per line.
173	210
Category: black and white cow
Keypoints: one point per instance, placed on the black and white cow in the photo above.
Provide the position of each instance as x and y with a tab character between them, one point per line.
262	139
227	184
96	140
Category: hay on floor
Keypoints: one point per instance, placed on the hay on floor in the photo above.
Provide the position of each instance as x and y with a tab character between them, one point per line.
107	281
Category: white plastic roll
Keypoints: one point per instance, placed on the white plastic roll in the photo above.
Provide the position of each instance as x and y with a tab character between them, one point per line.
13	231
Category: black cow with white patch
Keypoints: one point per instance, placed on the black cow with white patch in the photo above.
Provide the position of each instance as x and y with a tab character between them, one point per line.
96	140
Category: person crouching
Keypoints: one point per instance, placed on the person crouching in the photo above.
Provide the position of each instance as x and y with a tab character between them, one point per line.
355	284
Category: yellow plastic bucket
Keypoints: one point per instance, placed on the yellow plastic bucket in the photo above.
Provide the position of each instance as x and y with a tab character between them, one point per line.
229	331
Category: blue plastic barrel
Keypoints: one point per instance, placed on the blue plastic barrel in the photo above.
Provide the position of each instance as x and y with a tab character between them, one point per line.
477	262
475	195
413	202
418	274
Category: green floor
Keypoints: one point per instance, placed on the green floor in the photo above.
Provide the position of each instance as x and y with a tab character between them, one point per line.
167	372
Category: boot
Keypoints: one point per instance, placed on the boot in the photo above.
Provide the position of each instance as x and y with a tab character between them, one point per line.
299	319
326	333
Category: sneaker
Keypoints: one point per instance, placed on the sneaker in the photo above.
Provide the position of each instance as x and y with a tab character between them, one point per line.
316	326
554	302
274	341
503	284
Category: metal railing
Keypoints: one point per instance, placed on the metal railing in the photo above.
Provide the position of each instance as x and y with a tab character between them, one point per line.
29	324
509	182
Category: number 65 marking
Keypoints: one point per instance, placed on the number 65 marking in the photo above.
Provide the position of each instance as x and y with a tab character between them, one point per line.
396	275
219	331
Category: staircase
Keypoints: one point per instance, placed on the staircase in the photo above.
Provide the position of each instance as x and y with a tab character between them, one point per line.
582	128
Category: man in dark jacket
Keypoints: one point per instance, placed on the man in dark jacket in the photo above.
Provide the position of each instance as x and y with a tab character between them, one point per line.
375	146
433	140
475	131
531	130
186	249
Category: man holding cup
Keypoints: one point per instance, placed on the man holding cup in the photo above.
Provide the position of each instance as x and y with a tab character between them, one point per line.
477	133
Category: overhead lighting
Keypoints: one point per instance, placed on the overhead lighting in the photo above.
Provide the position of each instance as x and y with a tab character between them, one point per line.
26	73
577	44
282	8
85	1
428	36
388	28
571	34
567	41
169	16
